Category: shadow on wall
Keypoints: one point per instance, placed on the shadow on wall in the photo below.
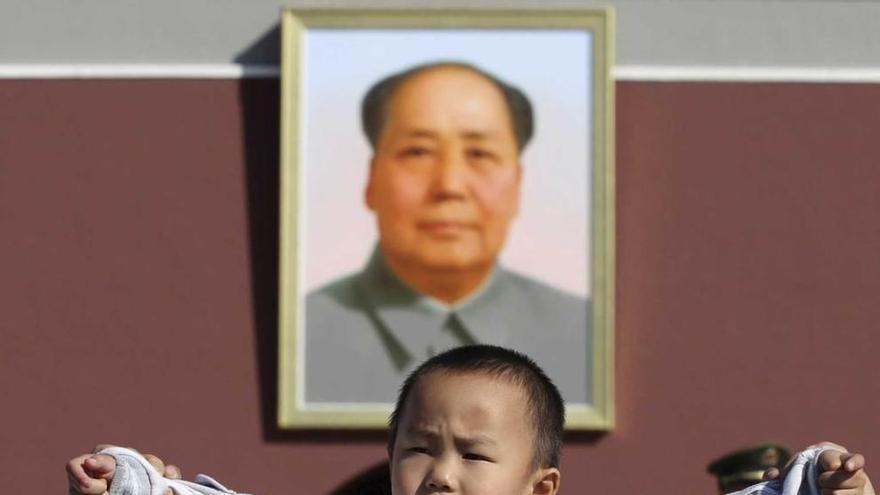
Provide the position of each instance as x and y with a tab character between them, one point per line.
266	50
259	99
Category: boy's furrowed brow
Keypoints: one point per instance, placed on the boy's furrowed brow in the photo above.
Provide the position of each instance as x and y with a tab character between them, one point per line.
464	441
421	432
476	440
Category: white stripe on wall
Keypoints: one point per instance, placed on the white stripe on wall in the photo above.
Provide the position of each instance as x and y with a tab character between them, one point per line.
747	74
137	71
620	73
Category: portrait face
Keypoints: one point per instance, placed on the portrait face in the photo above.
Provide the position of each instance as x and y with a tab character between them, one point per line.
445	177
466	434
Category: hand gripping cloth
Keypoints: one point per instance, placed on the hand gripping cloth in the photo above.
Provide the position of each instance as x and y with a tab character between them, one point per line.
801	479
136	476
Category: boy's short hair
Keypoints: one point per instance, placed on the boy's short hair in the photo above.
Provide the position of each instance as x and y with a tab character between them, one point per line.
545	403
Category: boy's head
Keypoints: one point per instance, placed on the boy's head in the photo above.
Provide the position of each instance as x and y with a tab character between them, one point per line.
476	420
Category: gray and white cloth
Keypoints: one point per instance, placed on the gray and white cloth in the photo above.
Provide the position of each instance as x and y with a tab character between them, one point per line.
801	479
136	476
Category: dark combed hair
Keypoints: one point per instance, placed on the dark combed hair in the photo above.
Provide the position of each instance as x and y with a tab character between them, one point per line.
375	105
544	400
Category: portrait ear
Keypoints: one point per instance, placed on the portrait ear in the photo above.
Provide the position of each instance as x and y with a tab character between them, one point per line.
546	482
520	170
369	190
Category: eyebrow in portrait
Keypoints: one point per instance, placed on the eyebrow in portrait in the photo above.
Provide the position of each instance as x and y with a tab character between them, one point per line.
479	135
473	135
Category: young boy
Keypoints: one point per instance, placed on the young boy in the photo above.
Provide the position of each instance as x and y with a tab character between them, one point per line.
475	420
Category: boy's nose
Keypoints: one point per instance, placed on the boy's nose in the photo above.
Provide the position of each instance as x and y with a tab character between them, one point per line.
441	478
439	486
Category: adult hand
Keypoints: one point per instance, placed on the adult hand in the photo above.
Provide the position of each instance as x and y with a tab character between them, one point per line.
773	473
843	473
91	474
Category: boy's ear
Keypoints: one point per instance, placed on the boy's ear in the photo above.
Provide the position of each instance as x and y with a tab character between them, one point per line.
546	481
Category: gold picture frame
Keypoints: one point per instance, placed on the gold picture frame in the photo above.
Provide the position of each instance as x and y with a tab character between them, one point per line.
300	30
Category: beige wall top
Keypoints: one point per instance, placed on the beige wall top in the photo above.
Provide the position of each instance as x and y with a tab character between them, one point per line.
653	33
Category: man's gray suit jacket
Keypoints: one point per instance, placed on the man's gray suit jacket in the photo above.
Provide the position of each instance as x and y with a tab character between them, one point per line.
365	332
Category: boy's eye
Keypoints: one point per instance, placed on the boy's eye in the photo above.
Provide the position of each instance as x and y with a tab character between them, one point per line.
472	456
418	450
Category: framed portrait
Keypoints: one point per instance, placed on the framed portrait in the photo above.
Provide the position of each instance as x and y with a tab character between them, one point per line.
446	179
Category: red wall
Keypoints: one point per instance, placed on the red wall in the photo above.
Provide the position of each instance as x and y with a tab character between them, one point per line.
138	255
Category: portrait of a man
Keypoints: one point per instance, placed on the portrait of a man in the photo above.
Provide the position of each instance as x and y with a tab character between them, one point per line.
444	187
444	182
